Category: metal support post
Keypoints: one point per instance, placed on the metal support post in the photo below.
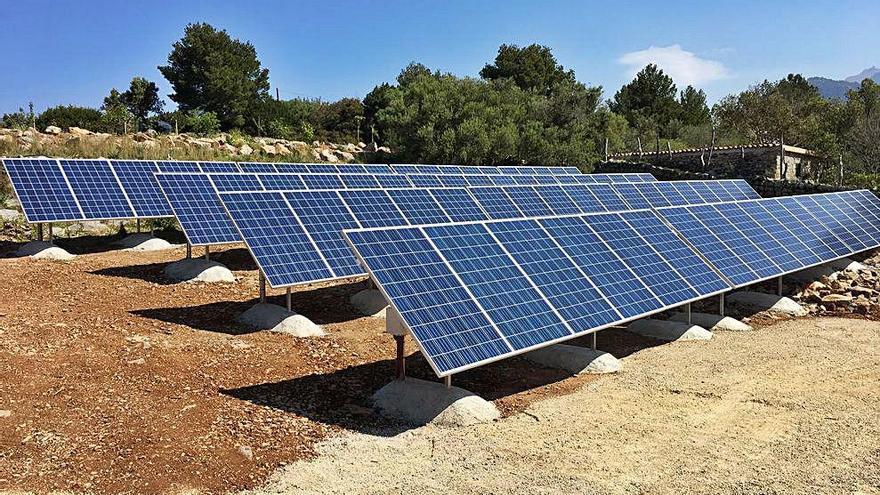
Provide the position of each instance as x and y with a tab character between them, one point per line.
447	380
207	253
138	225
779	286
189	250
39	232
721	305
51	237
593	345
400	360
262	288
289	300
690	319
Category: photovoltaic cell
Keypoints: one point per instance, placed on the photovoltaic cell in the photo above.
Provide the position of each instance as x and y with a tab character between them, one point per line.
586	200
236	182
558	201
608	197
258	168
97	191
418	206
459	205
172	166
759	236
632	195
292	168
478	180
322	181
419	180
453	180
218	167
281	182
528	201
373	208
393	180
496	203
355	181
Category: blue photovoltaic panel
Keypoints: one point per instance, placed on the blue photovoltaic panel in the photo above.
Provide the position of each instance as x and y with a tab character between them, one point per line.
322	181
198	209
378	169
405	169
709	245
292	168
865	217
524	180
325	216
258	168
528	201
171	166
459	205
351	168
564	170
42	190
869	205
496	203
781	232
670	193
813	224
503	180
555	274
658	275
820	209
558	201
321	168
816	244
655	197
425	180
723	193
674	251
864	237
477	170
609	198
454	180
236	182
759	236
432	169
418	206
516	308
97	191
744	188
281	247
604	268
586	200
449	326
705	192
687	191
373	208
546	179
478	180
139	182
393	180
747	250
359	181
632	195
645	177
218	167
568	179
587	179
610	178
281	182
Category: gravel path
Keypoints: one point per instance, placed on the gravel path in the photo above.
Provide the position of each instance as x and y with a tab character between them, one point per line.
790	408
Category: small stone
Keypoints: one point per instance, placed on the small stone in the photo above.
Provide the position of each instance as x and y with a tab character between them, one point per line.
5	413
246	452
137	361
837	299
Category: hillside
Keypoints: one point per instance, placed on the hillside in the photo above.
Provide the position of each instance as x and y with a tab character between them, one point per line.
834	89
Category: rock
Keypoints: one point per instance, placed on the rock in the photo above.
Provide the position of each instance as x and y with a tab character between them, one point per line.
268	149
5	413
245	150
10	215
277	319
419	402
370	302
143	242
766	302
54	130
76	131
329	156
713	322
42	250
858	290
198	270
281	149
837	299
246	452
346	156
137	361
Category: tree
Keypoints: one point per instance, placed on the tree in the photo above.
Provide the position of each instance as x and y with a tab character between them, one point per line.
862	140
532	68
694	111
648	100
210	71
65	116
141	98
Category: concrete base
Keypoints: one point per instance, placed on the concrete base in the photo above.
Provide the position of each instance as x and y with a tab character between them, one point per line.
760	301
42	250
419	402
574	359
370	302
143	242
277	319
198	270
669	330
713	323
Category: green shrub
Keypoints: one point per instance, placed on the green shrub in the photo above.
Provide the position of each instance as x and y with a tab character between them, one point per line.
17	120
65	116
203	123
279	129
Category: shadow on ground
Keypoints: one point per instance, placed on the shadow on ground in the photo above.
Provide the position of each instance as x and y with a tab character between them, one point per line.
343	397
322	305
91	244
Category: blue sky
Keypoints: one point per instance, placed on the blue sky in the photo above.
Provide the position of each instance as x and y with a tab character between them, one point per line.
74	52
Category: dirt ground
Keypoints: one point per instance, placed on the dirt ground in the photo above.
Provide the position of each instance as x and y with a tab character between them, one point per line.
113	379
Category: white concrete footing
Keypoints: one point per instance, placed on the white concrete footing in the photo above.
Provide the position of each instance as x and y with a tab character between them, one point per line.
712	322
574	359
198	270
370	302
274	318
760	301
419	402
669	330
143	242
43	250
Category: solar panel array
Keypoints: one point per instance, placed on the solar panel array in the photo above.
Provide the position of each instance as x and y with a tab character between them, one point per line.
52	190
473	293
315	232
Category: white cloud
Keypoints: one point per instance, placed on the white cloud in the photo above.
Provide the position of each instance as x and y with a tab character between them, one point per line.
682	66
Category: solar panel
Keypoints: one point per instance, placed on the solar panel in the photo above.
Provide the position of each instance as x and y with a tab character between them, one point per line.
503	180
218	167
454	180
418	206
198	209
324	216
524	180
479	180
322	181
321	168
608	197
353	181
140	186
281	182
419	180
393	180
258	168
378	169
172	166
236	182
351	168
632	195
292	168
559	202
42	189
373	208
528	201
496	203
97	190
459	205
584	198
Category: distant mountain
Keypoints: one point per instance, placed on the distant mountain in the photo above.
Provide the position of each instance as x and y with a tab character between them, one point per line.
833	89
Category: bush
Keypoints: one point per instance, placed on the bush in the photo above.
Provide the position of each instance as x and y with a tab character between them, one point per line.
203	123
17	120
279	129
65	116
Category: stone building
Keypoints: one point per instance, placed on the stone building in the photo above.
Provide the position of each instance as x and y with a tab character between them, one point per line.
771	161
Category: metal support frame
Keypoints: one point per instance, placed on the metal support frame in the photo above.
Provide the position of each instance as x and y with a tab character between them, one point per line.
779	286
262	288
447	380
289	299
51	237
189	250
400	359
689	313
721	304
138	225
593	344
207	253
39	232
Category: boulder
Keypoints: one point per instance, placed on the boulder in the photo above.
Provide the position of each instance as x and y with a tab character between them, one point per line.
713	322
198	270
420	402
76	131
370	302
143	242
245	150
54	130
268	149
10	215
329	156
277	319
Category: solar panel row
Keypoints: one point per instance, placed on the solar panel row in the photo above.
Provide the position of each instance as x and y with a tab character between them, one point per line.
477	292
374	208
